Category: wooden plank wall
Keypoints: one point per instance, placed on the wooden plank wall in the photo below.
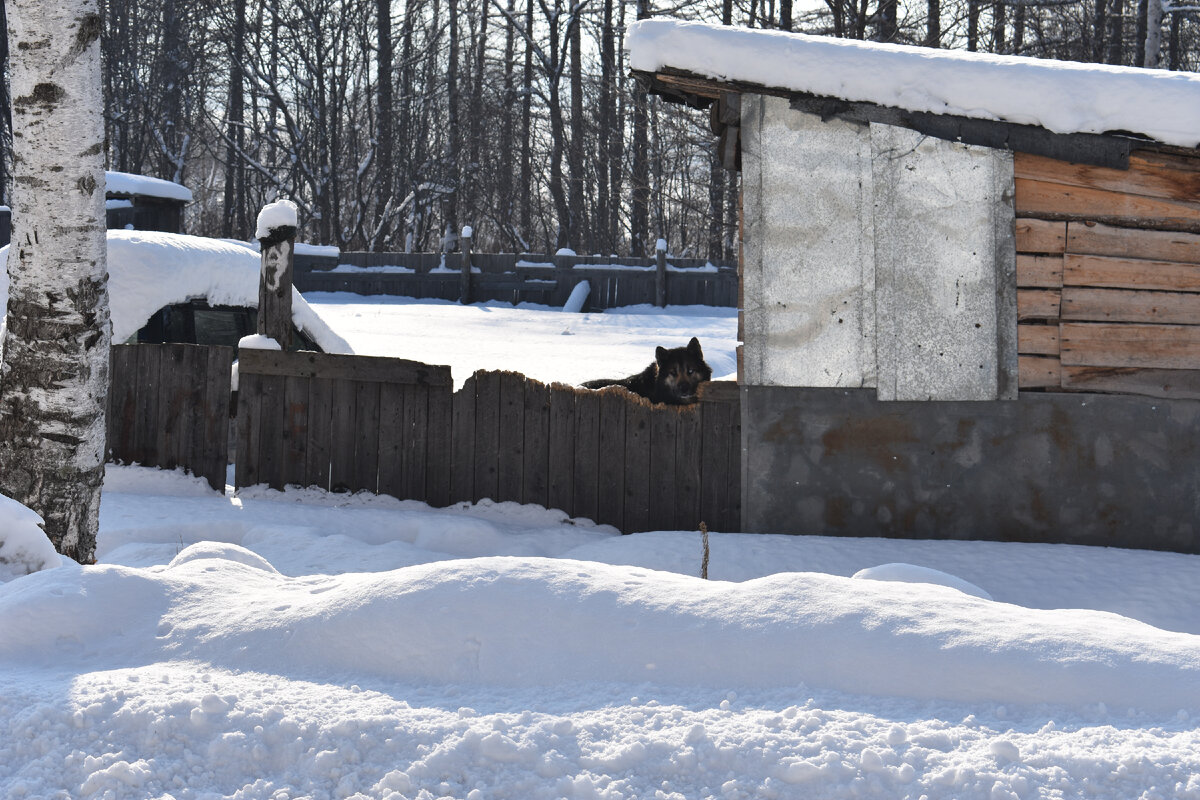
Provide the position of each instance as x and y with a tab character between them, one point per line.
168	406
1108	275
349	423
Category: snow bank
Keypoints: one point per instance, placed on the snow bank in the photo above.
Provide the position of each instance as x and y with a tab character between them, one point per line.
24	547
1061	96
524	622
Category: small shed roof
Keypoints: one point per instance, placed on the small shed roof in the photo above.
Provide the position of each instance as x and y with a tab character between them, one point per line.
1060	96
127	184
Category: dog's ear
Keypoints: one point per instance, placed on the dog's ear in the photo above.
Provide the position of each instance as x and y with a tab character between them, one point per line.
694	348
660	353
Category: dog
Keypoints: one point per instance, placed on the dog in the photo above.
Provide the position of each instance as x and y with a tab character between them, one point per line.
673	378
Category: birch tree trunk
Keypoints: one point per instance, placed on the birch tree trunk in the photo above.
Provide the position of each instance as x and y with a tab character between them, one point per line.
54	379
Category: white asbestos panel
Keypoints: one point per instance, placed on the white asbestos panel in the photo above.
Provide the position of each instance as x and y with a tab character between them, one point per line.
808	281
941	273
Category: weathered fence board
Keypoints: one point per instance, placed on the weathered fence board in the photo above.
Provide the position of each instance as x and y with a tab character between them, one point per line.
606	455
168	407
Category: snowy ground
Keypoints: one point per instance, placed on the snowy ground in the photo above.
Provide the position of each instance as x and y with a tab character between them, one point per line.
305	645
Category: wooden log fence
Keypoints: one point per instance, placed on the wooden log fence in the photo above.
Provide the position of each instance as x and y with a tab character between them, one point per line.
349	423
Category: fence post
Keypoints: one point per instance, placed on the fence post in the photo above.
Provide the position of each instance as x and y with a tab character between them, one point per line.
660	277
277	239
465	242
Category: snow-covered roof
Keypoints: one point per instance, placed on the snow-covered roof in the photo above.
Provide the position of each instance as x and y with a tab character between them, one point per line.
125	183
1060	96
149	269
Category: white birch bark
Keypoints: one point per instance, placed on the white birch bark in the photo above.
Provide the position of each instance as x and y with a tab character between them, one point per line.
54	379
1154	23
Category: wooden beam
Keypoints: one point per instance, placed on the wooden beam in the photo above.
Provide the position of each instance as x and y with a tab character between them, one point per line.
1038	372
1098	344
1037	304
1062	201
1130	273
1128	305
1040	236
342	367
1178	384
1037	340
1149	175
1039	272
1106	240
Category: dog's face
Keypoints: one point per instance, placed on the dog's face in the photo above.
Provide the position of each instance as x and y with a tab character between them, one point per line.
681	370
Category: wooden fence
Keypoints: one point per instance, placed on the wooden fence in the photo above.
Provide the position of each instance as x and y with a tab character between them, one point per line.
349	423
519	278
168	406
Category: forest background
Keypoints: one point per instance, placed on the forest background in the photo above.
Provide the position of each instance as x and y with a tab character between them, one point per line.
394	123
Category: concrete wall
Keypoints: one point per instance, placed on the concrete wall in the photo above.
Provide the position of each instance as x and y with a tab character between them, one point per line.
1083	469
875	257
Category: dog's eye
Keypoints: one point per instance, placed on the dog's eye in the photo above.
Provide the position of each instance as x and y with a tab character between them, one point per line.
691	371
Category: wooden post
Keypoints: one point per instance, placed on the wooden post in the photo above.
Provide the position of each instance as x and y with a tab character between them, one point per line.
465	244
277	239
660	278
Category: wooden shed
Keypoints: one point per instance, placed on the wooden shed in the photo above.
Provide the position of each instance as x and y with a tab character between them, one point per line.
131	201
970	286
143	203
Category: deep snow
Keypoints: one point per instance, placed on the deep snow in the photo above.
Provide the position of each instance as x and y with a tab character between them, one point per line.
311	645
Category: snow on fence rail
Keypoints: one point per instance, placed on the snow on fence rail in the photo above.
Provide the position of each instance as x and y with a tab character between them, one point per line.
515	277
351	423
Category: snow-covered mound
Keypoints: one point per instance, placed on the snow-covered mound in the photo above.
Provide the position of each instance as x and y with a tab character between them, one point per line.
24	547
1061	96
528	622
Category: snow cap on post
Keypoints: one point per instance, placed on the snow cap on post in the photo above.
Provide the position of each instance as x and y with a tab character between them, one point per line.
276	222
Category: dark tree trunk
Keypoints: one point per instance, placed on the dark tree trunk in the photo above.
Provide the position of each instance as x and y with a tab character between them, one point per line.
1116	32
999	24
933	23
578	213
385	174
1099	31
471	185
639	214
505	186
527	131
234	218
603	234
888	26
453	136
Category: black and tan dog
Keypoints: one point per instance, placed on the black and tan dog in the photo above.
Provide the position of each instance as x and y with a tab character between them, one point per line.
673	378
